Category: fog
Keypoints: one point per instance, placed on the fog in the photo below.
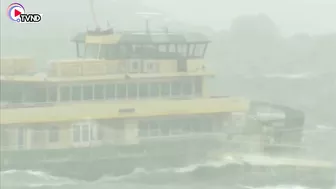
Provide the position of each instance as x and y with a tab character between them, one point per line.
279	51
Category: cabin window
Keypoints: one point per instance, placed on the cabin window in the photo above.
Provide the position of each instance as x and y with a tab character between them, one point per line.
100	132
83	132
29	93
76	132
76	93
137	49
205	125
199	50
52	93
198	86
172	48
65	93
135	66
176	127
185	126
8	138
143	90
191	49
38	136
143	129
99	92
149	51
92	51
187	88
22	137
110	91
108	51
80	49
165	89
154	129
163	48
182	49
154	89
87	92
164	128
176	88
195	125
40	93
14	92
5	92
121	91
132	90
124	51
53	134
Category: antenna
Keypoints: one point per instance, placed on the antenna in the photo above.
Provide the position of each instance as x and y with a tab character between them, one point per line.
167	22
94	15
147	16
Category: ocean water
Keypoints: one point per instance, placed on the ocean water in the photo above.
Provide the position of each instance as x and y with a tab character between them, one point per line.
313	93
177	178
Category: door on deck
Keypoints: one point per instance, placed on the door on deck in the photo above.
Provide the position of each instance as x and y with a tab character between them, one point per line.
181	64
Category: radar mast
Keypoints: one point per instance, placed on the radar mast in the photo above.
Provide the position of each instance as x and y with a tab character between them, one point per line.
147	16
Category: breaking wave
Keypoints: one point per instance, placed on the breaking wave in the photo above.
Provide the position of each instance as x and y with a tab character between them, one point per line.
207	175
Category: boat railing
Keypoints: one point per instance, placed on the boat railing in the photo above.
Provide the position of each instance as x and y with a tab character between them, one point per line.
8	105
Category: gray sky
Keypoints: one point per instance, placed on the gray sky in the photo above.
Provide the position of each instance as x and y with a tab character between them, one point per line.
292	16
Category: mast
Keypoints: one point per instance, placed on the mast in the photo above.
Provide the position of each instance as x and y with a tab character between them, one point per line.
147	16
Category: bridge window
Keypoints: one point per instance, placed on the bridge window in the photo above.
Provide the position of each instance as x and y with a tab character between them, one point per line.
108	51
199	50
172	48
163	48
182	49
191	50
80	49
92	51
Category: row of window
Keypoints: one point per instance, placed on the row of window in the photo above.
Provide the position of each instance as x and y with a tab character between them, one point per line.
100	91
115	51
85	132
178	127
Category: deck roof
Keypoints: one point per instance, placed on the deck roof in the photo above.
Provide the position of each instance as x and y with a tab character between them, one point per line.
143	38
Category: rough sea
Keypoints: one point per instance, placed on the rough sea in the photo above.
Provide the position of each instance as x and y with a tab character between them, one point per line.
313	93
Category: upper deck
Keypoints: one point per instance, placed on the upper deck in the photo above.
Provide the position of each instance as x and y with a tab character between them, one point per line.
102	53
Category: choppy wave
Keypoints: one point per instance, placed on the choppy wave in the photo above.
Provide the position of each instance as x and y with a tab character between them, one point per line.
192	176
29	178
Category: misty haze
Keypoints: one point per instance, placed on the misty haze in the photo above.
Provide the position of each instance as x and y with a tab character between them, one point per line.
169	94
